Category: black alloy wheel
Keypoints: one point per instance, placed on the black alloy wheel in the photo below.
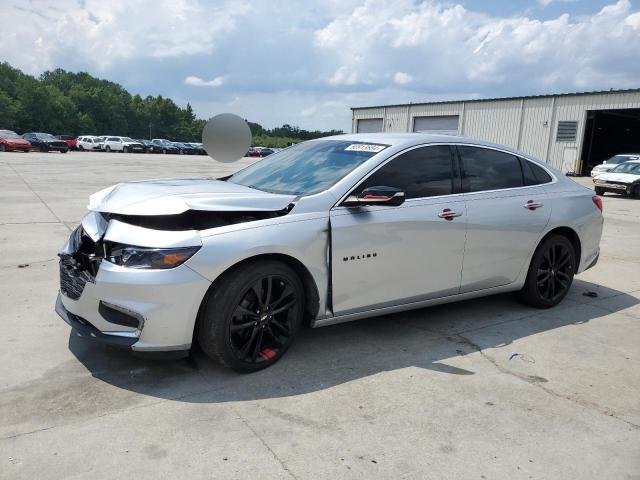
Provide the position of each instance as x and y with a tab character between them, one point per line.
261	323
550	274
251	317
555	272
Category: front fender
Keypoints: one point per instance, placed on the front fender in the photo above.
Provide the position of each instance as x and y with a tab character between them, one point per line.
307	241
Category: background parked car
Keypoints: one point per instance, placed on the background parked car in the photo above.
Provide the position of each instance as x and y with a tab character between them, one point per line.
165	145
46	142
122	144
186	148
257	152
623	178
69	140
149	146
12	142
199	149
89	142
614	161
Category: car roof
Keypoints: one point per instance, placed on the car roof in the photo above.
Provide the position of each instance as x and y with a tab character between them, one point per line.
411	139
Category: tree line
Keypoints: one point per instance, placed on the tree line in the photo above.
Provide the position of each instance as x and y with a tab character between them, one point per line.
62	102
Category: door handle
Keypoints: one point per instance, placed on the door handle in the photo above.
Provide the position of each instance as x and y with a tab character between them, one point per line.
449	214
532	205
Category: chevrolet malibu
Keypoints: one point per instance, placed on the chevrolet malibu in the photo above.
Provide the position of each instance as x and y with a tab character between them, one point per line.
327	231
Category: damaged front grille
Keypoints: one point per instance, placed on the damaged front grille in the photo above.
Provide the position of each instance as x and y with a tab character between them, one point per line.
79	263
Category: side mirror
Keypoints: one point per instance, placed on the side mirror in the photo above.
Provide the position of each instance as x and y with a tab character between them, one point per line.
384	196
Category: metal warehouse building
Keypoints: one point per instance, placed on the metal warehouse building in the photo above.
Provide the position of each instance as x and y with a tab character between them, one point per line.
572	132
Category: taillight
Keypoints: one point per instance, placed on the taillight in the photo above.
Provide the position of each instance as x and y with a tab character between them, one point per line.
598	201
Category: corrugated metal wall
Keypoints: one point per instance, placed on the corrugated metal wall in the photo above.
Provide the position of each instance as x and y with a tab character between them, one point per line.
528	124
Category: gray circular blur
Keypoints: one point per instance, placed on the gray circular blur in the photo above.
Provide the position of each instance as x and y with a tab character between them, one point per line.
226	137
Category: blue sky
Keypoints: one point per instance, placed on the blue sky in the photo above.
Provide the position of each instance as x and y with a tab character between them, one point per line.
306	62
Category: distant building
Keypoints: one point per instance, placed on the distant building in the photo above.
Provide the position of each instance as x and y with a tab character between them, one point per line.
571	131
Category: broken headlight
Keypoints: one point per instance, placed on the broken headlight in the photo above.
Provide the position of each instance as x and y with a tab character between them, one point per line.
148	258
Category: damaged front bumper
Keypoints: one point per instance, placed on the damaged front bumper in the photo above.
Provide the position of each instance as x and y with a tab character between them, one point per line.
144	310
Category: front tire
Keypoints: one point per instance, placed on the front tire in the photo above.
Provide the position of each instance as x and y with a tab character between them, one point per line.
550	274
107	149
125	149
252	316
2	147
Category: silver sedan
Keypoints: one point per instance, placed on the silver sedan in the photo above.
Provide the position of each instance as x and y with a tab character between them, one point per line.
327	231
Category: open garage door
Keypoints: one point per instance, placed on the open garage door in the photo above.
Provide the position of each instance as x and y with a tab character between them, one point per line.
369	125
608	132
443	125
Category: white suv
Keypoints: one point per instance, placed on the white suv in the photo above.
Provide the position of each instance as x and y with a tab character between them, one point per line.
122	144
89	142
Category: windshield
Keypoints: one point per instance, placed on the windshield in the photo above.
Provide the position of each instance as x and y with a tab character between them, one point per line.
127	139
616	159
46	136
9	135
631	167
306	168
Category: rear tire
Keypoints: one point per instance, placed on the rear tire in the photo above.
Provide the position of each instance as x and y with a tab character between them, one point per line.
550	274
64	151
599	191
251	317
636	191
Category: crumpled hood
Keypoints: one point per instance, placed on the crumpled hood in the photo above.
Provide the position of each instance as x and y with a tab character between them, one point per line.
174	196
618	177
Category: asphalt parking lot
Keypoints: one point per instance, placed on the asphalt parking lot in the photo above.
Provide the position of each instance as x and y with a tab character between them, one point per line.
486	388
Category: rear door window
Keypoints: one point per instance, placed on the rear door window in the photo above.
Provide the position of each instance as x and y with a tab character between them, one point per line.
534	174
485	169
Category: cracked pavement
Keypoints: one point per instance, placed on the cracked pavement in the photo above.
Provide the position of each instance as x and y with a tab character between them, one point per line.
485	388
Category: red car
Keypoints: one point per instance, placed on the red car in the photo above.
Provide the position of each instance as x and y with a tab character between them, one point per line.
69	140
11	142
259	152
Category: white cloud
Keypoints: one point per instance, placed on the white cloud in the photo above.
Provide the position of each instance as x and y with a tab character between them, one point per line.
199	82
343	76
103	34
287	68
402	78
449	47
